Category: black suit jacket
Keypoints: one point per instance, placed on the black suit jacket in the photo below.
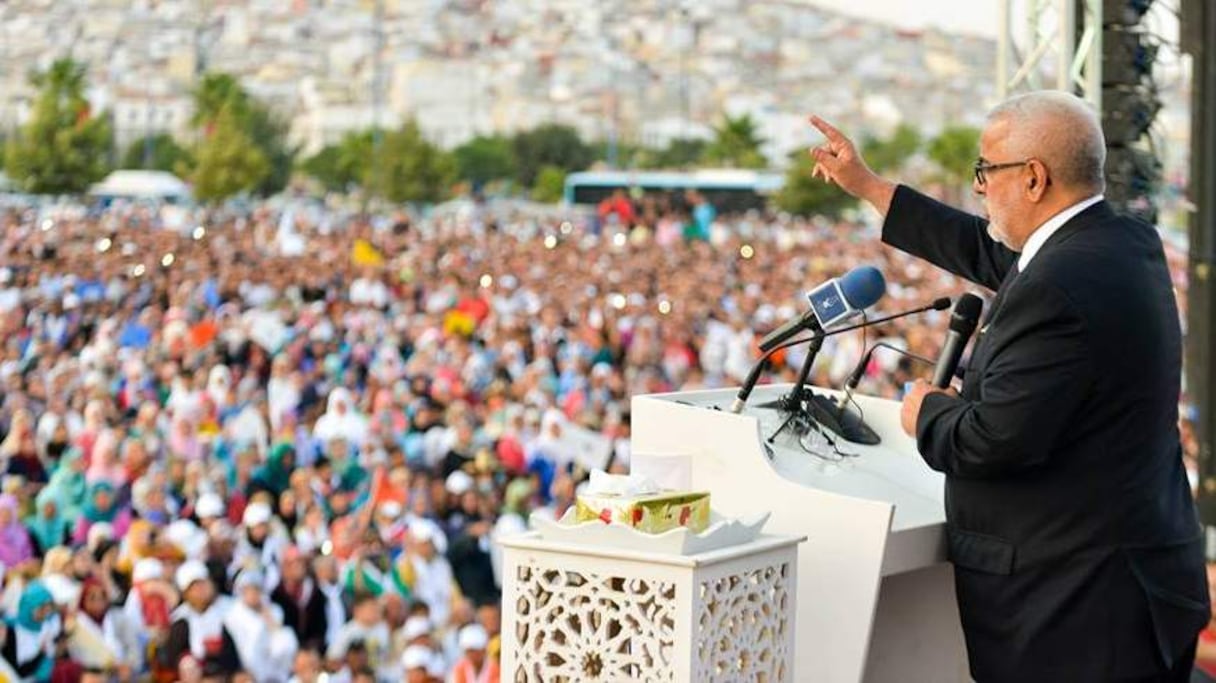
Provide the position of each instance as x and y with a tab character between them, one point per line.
309	622
1077	551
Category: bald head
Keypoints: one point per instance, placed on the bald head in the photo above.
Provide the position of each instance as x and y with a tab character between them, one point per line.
1062	131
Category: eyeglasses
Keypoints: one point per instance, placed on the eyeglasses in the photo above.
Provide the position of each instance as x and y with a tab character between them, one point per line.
983	167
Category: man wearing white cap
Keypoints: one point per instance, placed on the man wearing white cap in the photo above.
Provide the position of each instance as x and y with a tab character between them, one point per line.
473	666
208	509
258	546
198	636
417	661
266	647
431	578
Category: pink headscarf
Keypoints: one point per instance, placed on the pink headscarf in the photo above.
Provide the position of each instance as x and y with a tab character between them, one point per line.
105	465
15	546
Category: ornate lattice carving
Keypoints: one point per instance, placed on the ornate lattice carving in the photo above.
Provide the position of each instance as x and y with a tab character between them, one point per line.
579	626
575	626
741	626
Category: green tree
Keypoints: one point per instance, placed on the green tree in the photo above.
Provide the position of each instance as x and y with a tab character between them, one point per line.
736	144
228	161
807	196
954	151
221	92
63	148
485	158
165	154
344	164
410	168
679	153
550	184
886	154
549	144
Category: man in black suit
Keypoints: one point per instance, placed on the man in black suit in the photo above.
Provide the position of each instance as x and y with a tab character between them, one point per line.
1076	548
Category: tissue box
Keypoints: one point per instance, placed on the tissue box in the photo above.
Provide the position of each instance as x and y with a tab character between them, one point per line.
652	513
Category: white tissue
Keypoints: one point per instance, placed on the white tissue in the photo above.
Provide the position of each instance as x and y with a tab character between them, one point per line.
604	484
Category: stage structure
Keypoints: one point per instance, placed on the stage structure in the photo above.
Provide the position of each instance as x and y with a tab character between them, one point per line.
1199	41
1104	51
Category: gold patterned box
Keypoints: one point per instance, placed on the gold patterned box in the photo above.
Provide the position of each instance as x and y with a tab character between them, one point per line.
652	513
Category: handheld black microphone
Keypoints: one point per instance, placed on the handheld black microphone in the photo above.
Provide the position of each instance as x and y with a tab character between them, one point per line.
963	319
854	379
831	302
754	376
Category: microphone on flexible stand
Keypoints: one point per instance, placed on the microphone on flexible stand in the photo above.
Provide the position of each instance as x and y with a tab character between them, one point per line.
854	379
963	320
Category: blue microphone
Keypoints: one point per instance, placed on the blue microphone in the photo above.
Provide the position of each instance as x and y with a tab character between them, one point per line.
834	301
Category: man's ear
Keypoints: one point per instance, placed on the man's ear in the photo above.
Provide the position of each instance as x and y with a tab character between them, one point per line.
1036	184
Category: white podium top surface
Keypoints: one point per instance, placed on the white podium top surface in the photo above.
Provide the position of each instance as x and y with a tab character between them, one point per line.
891	471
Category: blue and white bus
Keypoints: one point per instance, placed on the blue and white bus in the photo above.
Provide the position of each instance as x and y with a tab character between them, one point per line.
726	190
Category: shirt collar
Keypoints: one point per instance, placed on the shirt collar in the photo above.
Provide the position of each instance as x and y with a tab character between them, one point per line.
1044	232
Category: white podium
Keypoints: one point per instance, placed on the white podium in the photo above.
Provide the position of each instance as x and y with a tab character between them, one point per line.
875	594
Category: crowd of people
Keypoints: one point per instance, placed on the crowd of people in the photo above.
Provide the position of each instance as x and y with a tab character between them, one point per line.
284	442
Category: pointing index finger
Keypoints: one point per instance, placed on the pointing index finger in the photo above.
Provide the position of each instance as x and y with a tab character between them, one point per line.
829	131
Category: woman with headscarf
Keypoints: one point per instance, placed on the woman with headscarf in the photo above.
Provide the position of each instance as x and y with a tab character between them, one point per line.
97	637
15	545
29	644
517	499
69	483
101	505
275	475
19	450
105	464
150	500
94	425
340	420
49	526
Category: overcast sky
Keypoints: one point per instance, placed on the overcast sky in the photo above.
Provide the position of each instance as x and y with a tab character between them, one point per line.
976	17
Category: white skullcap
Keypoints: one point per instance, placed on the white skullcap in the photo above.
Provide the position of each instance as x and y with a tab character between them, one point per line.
416	627
189	572
424	530
147	569
390	508
256	513
209	505
188	538
416	657
98	532
473	637
458	483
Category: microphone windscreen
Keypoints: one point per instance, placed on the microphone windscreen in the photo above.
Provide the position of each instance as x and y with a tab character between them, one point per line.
862	287
966	314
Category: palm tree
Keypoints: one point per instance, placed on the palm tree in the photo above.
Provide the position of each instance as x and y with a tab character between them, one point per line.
736	143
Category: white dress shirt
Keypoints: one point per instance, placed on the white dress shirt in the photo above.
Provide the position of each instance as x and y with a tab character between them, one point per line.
1044	232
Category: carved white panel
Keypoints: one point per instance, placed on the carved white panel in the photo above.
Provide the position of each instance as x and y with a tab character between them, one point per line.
582	618
742	626
585	626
